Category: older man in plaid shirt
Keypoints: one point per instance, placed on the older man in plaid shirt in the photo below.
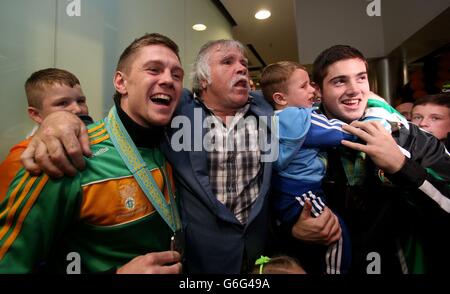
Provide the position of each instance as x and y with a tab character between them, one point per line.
224	186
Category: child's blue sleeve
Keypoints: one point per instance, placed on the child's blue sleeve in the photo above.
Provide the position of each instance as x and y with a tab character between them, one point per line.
325	132
293	126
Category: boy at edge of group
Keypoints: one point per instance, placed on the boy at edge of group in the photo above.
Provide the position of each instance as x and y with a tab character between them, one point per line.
47	90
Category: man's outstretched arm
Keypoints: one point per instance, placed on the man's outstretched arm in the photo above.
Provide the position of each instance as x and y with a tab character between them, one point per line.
58	146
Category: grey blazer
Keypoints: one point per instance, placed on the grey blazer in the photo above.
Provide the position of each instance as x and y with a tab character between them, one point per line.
215	241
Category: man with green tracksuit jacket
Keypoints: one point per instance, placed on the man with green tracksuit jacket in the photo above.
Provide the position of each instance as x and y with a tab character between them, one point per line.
119	214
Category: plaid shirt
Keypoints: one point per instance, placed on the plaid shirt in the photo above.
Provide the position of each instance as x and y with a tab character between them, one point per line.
235	170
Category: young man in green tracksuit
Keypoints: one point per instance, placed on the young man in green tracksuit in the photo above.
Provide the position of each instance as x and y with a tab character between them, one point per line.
119	214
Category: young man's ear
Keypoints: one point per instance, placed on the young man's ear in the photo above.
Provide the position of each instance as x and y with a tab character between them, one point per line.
279	99
120	82
35	114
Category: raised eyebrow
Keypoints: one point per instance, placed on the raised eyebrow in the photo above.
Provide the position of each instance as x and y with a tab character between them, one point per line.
339	77
152	62
363	73
233	56
227	56
64	99
159	63
178	68
60	99
304	83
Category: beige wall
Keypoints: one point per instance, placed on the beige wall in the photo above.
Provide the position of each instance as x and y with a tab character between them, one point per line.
38	34
26	44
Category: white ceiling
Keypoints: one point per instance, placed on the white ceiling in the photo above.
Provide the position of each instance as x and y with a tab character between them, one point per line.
324	23
275	38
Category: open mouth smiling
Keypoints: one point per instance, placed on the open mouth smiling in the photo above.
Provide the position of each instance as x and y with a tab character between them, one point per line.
161	99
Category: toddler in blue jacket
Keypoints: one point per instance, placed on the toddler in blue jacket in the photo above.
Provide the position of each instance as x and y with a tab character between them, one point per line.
304	134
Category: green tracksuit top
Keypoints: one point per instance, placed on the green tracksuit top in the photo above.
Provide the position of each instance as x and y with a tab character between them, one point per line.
101	214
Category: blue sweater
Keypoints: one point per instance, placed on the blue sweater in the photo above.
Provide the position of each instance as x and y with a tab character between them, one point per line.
302	134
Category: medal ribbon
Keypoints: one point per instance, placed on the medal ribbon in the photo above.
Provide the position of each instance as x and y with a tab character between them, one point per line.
137	166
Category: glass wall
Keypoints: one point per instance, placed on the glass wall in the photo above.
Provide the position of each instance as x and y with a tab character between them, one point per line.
86	37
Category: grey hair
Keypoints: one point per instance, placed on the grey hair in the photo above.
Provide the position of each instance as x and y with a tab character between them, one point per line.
201	70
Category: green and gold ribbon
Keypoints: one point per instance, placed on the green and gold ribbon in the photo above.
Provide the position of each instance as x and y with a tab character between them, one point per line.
137	166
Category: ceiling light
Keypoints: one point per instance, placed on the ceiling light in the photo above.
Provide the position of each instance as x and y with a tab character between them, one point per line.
262	14
199	27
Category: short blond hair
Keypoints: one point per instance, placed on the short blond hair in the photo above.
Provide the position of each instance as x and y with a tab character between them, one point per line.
36	83
275	76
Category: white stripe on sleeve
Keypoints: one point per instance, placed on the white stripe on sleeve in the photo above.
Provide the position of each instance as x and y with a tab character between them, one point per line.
436	195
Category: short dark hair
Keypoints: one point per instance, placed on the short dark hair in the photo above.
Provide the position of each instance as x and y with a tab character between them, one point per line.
35	84
330	56
145	40
442	99
275	76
